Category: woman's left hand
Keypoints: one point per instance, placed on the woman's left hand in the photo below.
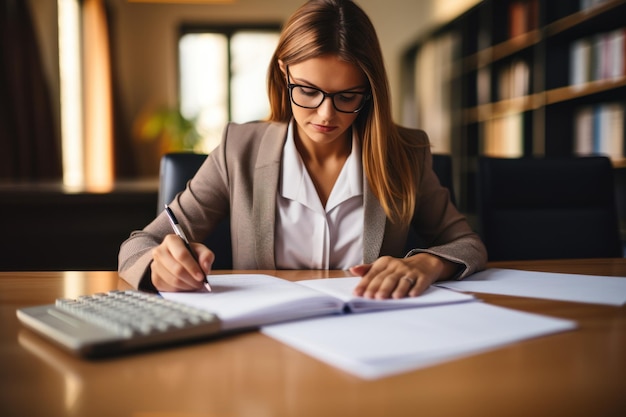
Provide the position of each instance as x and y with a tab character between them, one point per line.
390	277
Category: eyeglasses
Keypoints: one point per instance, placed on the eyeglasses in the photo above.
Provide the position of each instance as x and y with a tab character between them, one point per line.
308	97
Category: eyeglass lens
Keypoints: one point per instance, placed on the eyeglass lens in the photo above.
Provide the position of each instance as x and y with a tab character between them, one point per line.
310	97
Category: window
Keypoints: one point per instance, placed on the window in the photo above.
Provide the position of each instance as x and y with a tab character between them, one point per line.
223	77
86	95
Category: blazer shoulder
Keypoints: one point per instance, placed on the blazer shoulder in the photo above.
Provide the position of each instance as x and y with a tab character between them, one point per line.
252	144
417	136
250	133
253	128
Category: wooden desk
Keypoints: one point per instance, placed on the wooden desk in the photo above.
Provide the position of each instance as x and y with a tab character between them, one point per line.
578	373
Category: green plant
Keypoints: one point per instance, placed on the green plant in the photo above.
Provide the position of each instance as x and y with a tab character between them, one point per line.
175	132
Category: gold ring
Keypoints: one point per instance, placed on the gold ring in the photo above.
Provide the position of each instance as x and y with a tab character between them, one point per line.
411	281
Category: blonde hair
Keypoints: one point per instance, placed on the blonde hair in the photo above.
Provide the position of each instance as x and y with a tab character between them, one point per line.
341	28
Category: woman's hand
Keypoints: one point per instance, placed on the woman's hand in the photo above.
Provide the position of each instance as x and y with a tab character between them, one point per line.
175	269
390	277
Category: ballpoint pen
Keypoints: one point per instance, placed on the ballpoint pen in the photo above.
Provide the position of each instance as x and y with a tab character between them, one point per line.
179	232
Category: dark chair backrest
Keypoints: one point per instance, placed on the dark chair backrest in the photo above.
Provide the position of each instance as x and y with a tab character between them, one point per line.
442	165
175	171
178	168
548	208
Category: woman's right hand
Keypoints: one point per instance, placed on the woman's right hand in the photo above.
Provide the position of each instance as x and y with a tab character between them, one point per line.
175	269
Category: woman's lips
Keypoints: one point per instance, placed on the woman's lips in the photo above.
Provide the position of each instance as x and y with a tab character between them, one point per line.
323	128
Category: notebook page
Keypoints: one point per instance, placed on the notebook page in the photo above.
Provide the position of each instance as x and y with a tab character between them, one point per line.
342	288
250	300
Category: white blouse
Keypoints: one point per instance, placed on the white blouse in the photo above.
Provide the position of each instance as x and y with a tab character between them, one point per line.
309	235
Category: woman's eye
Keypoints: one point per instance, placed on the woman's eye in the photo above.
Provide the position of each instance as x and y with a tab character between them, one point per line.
348	97
308	91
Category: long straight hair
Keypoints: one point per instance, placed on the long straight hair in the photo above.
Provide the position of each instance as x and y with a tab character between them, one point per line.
341	28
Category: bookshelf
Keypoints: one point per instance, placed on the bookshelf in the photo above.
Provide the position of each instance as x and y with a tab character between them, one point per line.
518	78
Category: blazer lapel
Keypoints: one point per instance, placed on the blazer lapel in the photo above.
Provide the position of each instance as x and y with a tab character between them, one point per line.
374	225
266	175
380	236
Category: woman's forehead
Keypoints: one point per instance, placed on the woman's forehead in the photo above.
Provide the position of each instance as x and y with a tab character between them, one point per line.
329	73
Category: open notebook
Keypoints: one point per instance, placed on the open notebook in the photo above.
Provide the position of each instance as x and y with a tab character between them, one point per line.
253	300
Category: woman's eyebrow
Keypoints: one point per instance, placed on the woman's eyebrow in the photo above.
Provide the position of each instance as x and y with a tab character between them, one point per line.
310	84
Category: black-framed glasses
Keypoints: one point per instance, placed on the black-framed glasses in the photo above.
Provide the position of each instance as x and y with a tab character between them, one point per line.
308	97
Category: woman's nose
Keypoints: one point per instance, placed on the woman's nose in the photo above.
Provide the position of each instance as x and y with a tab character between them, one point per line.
327	108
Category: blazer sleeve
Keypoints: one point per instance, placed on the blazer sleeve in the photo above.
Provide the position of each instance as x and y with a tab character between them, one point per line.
198	209
443	229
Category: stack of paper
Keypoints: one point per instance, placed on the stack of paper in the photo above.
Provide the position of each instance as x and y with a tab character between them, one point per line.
380	344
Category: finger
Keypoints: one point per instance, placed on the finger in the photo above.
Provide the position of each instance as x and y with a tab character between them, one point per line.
183	258
392	282
374	280
420	286
163	285
170	269
405	284
206	257
361	270
164	280
382	270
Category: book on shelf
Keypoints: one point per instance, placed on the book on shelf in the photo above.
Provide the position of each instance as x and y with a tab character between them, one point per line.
245	301
514	80
483	85
617	53
580	62
599	130
523	17
588	4
504	136
598	57
583	131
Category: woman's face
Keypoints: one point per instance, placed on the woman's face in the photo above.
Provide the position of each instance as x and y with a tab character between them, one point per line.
325	124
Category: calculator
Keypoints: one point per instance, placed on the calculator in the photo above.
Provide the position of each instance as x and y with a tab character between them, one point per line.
115	322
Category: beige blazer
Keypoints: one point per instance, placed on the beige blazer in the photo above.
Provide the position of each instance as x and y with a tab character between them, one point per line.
241	178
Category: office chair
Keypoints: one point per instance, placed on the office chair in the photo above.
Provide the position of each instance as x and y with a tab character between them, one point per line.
178	168
442	165
548	208
175	171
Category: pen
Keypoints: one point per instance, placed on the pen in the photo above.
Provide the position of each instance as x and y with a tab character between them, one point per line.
179	232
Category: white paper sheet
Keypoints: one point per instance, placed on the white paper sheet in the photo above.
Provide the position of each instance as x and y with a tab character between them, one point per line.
375	345
553	286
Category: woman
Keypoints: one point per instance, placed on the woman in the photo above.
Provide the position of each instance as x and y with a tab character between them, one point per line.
328	182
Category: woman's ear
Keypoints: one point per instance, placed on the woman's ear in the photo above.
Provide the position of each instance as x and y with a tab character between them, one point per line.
283	67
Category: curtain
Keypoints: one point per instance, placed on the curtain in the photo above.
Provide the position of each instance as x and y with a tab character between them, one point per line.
125	165
108	153
29	146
